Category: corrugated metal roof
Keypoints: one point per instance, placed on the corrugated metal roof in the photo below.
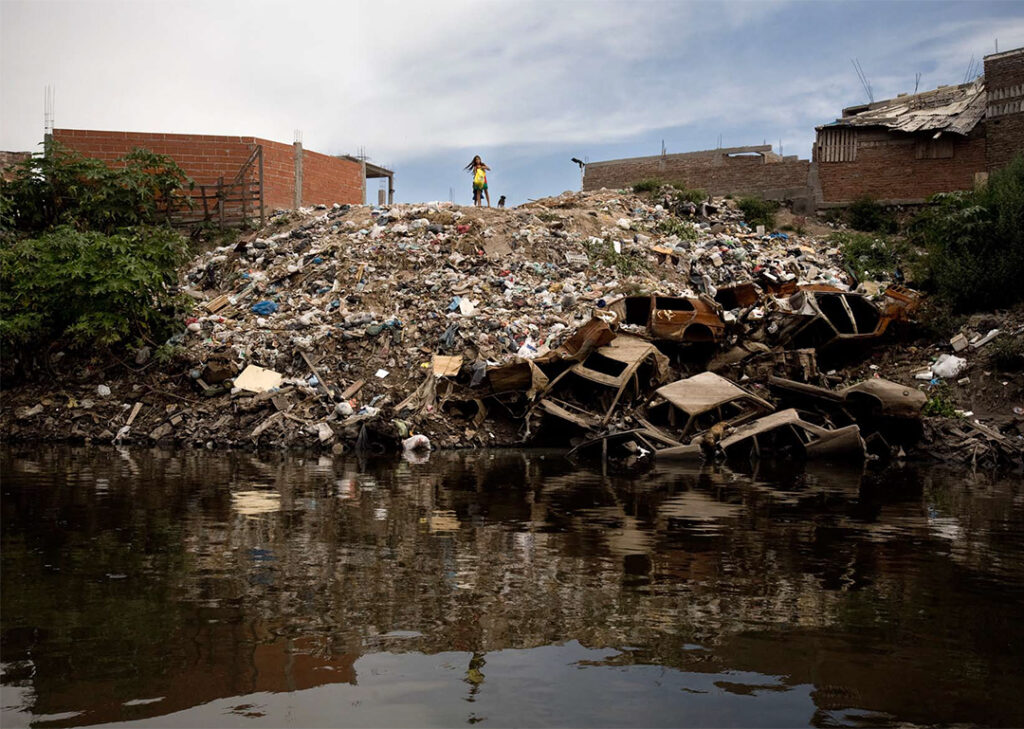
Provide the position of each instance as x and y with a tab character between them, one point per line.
955	109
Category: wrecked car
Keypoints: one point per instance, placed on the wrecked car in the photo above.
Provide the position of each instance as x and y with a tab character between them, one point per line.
672	318
588	393
786	435
876	405
690	406
818	316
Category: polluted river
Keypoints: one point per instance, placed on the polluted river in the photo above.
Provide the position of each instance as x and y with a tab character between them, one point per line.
174	587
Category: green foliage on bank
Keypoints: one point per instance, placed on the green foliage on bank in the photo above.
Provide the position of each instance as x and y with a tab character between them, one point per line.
873	256
86	252
974	242
758	212
866	214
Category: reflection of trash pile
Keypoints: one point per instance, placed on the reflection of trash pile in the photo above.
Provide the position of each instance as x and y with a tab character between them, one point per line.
572	320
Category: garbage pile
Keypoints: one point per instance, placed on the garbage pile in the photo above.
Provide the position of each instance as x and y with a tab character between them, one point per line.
436	326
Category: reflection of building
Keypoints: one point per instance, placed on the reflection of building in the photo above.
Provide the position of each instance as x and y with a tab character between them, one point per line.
220	599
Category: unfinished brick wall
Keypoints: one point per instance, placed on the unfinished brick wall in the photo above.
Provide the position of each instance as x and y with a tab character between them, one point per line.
206	157
331	179
887	168
713	171
1004	125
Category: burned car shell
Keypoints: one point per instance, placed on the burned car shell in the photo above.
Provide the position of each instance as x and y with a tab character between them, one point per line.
876	396
818	316
705	399
672	318
613	366
785	431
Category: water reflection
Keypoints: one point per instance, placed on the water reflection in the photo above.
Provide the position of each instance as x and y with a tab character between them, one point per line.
502	587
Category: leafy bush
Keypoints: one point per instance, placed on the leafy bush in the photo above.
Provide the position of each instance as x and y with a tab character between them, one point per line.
650	185
873	256
65	188
941	404
91	287
81	252
758	211
975	242
680	228
1007	353
627	263
684	194
866	214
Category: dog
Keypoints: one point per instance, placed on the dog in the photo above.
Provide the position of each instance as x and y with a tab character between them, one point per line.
501	201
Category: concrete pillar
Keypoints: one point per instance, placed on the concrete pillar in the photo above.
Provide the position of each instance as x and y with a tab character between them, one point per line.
391	190
362	165
297	200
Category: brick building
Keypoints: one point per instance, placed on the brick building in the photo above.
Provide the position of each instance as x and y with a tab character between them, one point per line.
900	150
754	170
906	149
265	173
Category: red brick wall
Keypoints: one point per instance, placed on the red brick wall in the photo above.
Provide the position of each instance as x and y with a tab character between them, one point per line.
330	179
278	174
1004	84
711	171
886	168
206	157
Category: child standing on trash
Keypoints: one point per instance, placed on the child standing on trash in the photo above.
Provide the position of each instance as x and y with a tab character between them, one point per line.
479	170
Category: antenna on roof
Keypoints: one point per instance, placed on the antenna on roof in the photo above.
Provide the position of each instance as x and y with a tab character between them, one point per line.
863	80
997	45
917	81
970	70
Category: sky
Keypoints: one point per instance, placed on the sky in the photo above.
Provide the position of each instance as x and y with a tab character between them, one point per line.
422	86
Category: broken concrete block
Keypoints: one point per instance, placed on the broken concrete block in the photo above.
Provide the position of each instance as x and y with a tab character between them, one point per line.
958	343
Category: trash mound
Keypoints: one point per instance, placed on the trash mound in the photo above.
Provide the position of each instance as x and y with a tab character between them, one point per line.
435	325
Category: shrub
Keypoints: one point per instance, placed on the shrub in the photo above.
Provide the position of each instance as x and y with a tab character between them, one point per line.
872	256
866	214
941	404
975	243
94	288
758	211
65	188
650	185
683	194
627	263
1007	353
680	228
81	254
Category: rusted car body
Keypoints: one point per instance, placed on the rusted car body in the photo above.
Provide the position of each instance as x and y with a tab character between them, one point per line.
672	318
819	316
588	393
785	434
871	397
690	406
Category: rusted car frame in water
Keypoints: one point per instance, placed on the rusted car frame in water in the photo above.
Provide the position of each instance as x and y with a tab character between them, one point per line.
785	434
601	380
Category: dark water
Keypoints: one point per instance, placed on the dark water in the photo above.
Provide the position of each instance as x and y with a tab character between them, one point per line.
207	589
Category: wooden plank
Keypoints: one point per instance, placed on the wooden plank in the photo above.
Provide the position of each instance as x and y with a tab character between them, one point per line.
353	389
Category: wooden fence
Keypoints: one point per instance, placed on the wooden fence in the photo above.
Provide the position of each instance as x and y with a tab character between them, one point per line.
226	204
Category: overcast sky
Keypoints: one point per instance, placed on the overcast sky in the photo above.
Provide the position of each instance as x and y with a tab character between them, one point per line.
423	86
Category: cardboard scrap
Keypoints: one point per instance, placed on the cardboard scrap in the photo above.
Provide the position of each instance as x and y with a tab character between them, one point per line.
445	366
258	379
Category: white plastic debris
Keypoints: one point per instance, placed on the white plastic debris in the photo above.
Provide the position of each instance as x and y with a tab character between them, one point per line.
416	443
948	365
103	391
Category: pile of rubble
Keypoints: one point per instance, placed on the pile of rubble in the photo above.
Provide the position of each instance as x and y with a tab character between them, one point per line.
437	325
